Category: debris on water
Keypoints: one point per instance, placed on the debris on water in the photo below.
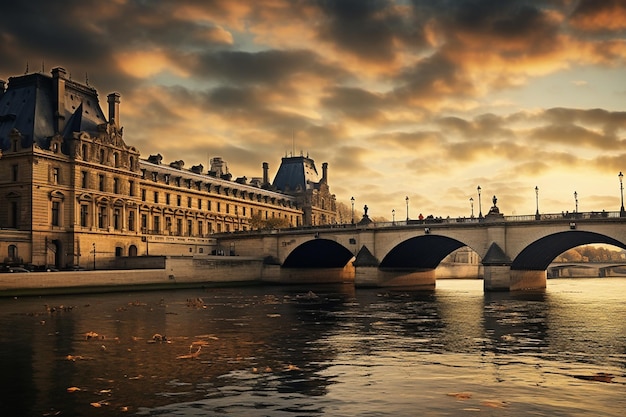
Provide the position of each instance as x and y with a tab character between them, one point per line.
158	338
494	403
190	355
460	395
598	377
196	302
273	316
73	389
93	335
308	296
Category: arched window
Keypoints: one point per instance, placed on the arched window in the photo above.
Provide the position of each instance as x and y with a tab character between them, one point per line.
12	253
102	156
84	151
116	159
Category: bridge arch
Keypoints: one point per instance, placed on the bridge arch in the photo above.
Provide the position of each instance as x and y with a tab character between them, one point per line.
318	253
420	252
539	254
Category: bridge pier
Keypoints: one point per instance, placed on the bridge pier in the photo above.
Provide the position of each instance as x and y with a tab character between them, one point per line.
279	275
372	276
502	278
528	280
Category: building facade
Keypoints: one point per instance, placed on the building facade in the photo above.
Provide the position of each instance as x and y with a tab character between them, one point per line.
74	193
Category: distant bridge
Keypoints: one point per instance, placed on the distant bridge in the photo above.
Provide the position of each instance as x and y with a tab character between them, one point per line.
589	269
515	251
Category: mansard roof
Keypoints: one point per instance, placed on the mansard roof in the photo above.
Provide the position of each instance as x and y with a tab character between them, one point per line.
29	105
296	173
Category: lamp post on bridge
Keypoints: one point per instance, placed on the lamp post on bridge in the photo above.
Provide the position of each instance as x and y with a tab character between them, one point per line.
480	206
622	213
537	215
352	199
472	206
407	208
576	201
393	216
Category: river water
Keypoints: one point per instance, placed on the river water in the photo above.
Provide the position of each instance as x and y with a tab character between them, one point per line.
319	351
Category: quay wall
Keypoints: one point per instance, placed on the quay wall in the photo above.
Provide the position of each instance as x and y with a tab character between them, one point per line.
177	272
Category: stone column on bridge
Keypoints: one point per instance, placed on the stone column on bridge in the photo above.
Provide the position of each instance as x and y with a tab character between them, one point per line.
497	269
368	274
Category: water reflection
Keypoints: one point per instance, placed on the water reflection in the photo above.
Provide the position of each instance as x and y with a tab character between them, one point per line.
309	351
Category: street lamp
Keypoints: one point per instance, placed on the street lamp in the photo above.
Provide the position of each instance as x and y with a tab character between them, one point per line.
537	216
393	216
472	206
352	199
480	205
622	213
407	208
94	256
576	200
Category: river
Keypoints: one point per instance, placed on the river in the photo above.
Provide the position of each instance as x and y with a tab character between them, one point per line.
319	351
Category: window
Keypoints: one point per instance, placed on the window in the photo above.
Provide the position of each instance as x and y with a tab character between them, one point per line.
189	202
116	159
55	175
56	208
101	182
154	176
131	221
167	178
143	195
189	228
116	218
144	222
101	156
179	227
83	179
84	151
178	199
167	199
84	215
102	217
200	203
200	228
131	188
219	206
244	211
116	185
13	214
14	173
12	252
208	205
156	196
168	224
157	224
227	208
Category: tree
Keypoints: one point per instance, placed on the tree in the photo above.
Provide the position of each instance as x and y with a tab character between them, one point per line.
258	222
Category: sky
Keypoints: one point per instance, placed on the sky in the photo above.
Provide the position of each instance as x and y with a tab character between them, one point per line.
402	98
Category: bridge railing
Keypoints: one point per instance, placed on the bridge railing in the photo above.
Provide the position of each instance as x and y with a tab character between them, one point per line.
431	220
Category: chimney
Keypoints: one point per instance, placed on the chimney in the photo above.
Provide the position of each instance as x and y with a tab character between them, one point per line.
266	177
114	108
325	172
58	75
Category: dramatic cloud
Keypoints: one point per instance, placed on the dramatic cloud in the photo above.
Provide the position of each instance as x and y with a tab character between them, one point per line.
418	98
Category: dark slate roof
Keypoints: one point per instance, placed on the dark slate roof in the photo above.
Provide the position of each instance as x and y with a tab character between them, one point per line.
28	105
297	173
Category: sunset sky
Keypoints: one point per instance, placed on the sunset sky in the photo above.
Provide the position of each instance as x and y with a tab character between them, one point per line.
426	99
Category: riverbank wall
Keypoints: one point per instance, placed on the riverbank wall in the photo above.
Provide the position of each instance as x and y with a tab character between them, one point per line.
138	273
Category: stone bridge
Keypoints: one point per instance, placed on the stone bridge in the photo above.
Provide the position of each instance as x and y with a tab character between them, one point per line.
515	251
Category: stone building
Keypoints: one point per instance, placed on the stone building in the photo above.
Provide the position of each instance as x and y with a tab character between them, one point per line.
75	193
